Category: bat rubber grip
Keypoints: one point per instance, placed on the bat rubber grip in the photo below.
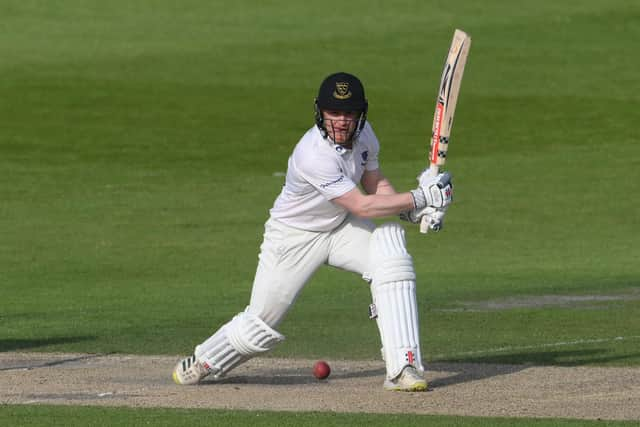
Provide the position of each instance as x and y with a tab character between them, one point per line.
424	225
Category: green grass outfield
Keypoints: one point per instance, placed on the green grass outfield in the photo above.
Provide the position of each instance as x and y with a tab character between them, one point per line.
142	144
81	416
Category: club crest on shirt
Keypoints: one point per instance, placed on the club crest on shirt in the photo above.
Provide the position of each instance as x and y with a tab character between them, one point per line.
365	156
342	91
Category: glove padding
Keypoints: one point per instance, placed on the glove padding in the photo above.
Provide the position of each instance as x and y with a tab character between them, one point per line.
434	217
433	191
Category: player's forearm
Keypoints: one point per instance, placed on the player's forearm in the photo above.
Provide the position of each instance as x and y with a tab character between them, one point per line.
381	205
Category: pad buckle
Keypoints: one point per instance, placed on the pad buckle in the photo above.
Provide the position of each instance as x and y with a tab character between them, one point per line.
373	311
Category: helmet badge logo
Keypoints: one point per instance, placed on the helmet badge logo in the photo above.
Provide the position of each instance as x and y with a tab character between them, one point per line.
342	91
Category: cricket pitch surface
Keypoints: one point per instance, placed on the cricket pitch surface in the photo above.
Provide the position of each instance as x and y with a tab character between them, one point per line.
272	384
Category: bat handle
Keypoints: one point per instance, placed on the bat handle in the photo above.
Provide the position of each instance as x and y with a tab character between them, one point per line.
424	222
424	225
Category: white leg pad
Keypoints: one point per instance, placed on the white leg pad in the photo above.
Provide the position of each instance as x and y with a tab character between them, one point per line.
245	336
393	288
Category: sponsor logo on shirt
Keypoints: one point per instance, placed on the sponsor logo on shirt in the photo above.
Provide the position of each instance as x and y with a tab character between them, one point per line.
335	181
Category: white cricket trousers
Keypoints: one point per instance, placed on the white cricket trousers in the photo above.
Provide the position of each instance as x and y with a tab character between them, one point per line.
289	257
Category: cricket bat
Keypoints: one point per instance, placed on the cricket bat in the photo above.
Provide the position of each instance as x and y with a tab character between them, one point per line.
446	105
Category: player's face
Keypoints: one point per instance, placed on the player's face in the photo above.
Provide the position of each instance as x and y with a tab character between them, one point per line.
340	125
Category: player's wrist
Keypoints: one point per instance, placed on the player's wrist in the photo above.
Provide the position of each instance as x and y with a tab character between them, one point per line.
419	199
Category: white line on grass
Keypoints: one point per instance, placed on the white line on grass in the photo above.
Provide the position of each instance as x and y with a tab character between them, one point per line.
536	346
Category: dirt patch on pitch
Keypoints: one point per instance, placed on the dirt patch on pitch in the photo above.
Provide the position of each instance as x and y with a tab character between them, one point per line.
354	386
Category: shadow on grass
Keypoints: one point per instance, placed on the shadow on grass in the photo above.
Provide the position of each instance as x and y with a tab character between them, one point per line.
34	343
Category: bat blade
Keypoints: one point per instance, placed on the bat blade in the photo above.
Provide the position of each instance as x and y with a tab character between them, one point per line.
448	96
446	104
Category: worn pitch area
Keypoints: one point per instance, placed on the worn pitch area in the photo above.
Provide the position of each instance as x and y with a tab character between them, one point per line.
354	386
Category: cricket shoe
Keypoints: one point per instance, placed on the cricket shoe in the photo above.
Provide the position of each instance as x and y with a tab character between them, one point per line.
189	371
408	380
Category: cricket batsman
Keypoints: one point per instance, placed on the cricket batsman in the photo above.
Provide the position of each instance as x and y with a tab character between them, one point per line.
333	187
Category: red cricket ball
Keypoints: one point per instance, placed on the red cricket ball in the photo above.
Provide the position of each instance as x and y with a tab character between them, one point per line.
321	369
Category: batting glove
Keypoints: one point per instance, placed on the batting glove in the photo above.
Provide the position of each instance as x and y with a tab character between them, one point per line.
433	191
434	216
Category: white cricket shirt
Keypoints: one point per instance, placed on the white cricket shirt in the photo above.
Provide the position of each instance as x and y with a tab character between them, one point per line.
319	171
